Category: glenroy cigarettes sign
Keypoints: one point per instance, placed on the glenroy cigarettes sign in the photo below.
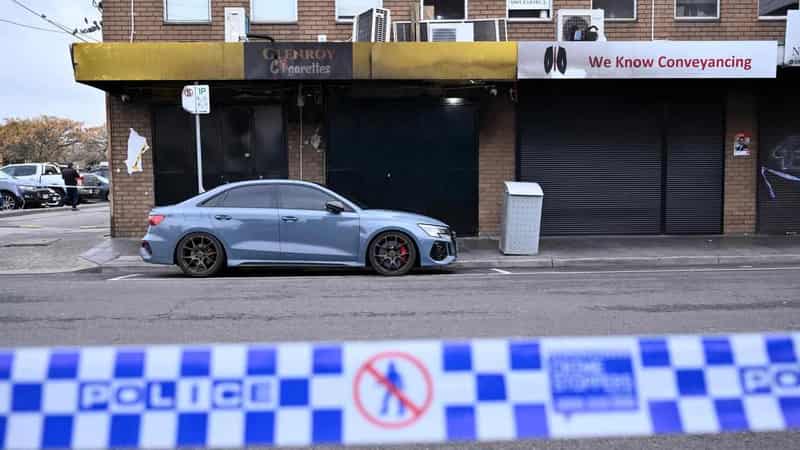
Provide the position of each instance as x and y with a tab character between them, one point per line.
657	59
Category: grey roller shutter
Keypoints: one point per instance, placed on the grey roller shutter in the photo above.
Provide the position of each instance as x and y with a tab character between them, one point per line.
779	150
694	168
598	160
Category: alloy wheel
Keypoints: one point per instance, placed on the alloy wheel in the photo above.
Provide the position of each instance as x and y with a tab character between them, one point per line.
393	254
8	201
199	255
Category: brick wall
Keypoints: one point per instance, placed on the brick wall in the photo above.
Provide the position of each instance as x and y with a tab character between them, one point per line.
131	195
740	172
496	161
313	159
738	21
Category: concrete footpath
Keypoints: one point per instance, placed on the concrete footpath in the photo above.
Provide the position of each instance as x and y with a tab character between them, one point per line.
557	252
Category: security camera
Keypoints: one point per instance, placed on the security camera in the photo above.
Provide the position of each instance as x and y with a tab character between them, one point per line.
125	98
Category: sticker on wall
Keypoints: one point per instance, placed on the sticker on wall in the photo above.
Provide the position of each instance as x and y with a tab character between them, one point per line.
741	144
137	145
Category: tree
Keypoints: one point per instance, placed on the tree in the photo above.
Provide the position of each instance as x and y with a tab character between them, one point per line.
48	138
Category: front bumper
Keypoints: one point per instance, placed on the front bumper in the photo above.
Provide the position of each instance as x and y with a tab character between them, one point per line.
40	197
438	252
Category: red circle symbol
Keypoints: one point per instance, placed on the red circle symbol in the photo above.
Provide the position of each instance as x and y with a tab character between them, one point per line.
369	372
188	92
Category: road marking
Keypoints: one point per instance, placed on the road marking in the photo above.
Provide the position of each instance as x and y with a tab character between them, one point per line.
501	271
29	226
124	277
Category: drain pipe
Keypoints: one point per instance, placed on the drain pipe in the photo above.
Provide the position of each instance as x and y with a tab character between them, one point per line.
133	21
652	20
300	103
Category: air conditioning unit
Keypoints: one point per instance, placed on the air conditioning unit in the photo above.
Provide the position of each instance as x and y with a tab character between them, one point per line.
403	32
373	25
580	25
237	25
451	32
490	30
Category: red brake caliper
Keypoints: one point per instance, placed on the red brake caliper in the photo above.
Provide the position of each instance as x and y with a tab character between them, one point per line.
404	252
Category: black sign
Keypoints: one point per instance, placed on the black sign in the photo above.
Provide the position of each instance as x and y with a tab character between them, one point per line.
298	61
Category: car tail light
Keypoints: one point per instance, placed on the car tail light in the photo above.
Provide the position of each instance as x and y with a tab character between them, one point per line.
156	219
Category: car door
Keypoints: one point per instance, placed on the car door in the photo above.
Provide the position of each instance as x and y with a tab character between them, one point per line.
51	176
245	218
312	234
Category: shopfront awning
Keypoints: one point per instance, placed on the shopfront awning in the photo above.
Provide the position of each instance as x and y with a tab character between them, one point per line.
120	62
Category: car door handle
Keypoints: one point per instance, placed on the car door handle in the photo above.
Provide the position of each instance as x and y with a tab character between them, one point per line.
289	219
222	217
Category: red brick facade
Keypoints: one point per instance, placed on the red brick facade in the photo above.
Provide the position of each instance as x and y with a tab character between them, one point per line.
738	21
740	172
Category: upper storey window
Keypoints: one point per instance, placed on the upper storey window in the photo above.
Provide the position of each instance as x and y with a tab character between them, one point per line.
187	11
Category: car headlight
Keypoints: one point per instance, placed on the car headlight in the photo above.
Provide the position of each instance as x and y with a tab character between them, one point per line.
27	188
435	231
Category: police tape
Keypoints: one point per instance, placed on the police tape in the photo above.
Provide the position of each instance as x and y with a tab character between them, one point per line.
235	395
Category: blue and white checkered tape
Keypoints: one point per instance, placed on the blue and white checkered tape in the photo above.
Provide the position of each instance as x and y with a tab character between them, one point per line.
235	395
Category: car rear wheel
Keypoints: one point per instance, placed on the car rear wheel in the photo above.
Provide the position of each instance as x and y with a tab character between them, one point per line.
392	253
8	201
200	255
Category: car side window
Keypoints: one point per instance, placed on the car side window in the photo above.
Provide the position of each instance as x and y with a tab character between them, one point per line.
50	170
304	197
256	196
23	171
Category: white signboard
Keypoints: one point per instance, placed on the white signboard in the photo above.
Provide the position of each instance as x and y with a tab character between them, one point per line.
528	4
197	99
791	54
658	59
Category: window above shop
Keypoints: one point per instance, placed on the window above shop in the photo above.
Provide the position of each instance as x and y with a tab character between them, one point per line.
187	11
529	9
346	10
273	11
696	9
616	9
443	9
775	9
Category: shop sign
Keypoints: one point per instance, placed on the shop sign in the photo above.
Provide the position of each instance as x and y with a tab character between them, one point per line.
298	61
524	5
658	59
741	144
791	55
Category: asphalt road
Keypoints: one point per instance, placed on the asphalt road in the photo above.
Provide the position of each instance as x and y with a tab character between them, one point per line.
159	306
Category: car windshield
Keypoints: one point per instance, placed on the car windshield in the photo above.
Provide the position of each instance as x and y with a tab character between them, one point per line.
5	176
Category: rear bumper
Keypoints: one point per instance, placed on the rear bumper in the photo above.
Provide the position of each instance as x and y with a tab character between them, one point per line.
156	250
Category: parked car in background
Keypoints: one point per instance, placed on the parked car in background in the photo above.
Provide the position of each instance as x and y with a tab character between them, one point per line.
100	170
94	187
16	194
38	174
283	222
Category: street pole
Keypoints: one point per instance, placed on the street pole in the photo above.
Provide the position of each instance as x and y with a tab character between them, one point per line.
199	151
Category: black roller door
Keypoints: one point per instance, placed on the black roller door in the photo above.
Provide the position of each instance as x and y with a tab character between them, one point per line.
779	151
412	155
598	160
694	168
644	161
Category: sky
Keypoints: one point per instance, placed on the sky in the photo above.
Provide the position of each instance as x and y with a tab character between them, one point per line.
36	75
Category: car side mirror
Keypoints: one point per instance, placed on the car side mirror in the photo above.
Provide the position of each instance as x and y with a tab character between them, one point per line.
334	206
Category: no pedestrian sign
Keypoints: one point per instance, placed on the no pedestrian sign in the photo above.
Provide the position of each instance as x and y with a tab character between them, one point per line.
196	99
393	390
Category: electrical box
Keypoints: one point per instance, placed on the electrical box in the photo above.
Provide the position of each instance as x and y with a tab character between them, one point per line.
237	25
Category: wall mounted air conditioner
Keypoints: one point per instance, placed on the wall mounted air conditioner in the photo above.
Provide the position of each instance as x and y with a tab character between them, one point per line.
237	25
373	25
451	32
493	30
580	25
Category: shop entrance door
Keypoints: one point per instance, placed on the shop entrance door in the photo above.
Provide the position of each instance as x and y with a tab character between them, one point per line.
242	142
409	156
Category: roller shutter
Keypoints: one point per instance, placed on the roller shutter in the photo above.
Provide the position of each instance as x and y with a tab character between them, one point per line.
779	150
598	160
694	168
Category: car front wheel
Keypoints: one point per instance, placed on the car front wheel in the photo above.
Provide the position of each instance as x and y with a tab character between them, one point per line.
8	201
200	255
392	253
